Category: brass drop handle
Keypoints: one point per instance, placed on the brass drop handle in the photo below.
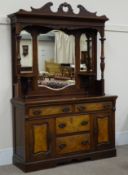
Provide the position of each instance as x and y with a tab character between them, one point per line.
62	146
66	109
85	142
81	108
37	112
62	125
83	123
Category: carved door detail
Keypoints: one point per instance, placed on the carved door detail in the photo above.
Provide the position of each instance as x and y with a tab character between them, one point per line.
40	134
39	137
103	130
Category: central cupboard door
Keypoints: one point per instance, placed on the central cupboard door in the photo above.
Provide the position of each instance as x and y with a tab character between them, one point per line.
39	139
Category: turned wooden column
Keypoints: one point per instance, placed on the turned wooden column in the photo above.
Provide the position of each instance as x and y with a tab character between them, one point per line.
89	62
18	63
102	58
18	39
35	59
102	63
77	58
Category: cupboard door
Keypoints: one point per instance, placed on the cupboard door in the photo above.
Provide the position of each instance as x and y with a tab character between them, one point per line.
104	130
39	139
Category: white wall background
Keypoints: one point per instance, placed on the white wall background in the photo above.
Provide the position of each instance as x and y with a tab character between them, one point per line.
116	71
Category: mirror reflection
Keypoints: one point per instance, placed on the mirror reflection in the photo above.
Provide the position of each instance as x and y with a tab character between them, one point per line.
85	53
26	51
56	60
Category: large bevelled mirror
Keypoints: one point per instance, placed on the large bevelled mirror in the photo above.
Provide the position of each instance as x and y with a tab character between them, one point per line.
56	60
26	52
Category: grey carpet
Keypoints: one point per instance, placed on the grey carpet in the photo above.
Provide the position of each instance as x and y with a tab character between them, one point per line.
111	166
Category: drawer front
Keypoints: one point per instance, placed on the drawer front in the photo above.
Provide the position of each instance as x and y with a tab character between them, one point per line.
49	110
72	124
75	143
83	107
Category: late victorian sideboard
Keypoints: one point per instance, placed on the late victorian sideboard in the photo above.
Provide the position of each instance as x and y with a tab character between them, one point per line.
60	111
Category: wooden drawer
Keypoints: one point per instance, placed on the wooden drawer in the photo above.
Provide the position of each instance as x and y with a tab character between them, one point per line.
49	110
73	143
72	124
83	107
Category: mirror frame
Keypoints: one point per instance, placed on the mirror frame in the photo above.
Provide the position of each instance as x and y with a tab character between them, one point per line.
41	19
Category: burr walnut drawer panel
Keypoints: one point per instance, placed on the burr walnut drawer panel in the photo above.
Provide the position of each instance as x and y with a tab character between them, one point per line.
83	107
75	143
49	110
72	124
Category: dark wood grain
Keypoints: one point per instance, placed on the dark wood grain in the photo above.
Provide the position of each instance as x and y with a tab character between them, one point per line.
76	123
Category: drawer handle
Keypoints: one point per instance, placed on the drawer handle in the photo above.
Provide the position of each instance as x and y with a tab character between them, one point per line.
83	123
85	142
37	112
62	146
62	125
81	108
66	109
106	106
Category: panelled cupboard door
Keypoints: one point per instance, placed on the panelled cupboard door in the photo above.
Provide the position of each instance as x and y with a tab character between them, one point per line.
39	135
104	130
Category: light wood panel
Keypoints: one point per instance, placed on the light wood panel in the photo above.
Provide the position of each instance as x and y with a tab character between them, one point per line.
72	124
49	110
73	143
103	131
40	138
92	106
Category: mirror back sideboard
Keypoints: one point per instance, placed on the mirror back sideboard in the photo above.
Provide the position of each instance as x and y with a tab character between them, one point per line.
57	96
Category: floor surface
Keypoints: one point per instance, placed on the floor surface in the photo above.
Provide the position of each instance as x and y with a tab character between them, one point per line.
111	166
